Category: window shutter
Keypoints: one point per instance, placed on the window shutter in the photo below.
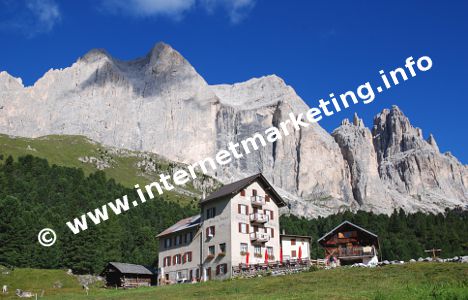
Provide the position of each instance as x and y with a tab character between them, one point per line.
207	231
271	215
217	270
238	208
247	210
247	228
164	262
190	256
225	268
240	227
213	230
254	192
272	232
242	192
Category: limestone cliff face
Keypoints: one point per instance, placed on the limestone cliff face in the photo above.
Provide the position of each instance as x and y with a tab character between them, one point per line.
393	166
356	143
159	103
414	167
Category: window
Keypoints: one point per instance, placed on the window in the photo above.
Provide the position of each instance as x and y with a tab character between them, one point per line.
244	247
167	243
272	232
254	192
269	213
222	247
267	198
242	193
349	234
293	242
257	251
260	229
188	237
190	234
243	209
210	232
270	251
293	253
243	228
187	257
210	213
178	240
221	269
211	250
167	261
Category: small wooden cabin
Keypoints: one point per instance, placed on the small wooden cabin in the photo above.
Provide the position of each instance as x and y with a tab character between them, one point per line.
348	244
127	275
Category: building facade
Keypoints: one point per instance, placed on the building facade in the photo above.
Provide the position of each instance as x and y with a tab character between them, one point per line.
295	247
180	251
348	244
238	225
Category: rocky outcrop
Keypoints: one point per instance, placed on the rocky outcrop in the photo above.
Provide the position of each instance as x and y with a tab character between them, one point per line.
356	143
414	167
160	104
394	167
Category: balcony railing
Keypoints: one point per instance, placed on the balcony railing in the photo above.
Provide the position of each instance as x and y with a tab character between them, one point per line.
257	200
259	237
356	251
258	218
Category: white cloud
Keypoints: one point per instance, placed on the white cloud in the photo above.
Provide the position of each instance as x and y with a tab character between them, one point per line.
30	17
237	10
148	8
46	12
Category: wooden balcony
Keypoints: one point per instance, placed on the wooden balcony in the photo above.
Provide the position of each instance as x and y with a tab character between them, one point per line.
259	237
257	201
259	218
356	252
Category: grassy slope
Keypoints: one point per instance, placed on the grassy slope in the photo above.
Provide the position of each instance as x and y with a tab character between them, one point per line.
411	281
65	150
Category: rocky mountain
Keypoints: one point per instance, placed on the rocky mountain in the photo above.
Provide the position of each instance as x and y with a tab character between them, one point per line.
160	104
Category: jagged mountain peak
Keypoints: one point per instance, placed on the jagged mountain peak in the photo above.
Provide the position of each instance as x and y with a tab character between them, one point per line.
95	55
8	81
159	103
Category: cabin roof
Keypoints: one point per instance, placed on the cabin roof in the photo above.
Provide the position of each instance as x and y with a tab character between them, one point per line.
131	268
181	225
235	187
341	225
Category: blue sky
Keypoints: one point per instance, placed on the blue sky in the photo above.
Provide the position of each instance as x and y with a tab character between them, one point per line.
318	48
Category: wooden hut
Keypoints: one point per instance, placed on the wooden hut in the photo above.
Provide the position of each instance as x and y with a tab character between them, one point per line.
127	275
348	244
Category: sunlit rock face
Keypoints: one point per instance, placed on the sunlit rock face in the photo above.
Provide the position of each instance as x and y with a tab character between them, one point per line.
159	103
